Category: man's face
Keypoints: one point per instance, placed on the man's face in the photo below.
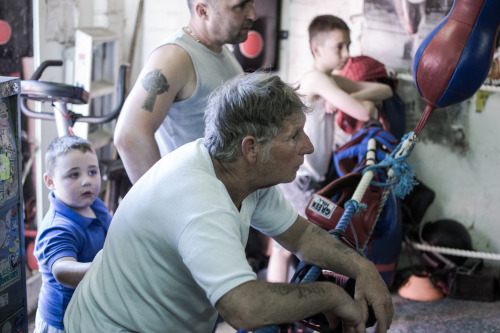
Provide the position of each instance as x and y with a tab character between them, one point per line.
286	151
75	180
231	20
332	49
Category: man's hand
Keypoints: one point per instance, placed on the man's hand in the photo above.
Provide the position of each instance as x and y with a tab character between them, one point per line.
371	108
371	290
315	246
351	316
330	108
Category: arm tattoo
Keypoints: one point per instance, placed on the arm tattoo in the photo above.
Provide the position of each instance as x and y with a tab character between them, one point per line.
303	290
344	249
319	231
155	83
338	245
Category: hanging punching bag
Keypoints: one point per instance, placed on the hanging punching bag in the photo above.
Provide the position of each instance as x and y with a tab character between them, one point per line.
453	61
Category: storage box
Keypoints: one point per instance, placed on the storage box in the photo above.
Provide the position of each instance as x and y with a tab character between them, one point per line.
479	286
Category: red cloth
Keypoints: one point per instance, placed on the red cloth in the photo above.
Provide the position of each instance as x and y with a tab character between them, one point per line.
363	68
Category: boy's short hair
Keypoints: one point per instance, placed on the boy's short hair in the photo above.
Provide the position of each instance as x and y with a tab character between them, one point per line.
61	146
325	23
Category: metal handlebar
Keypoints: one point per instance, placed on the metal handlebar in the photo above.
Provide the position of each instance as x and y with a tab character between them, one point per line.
60	93
38	73
121	91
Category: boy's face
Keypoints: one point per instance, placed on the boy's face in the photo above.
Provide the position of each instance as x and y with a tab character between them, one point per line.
331	49
75	180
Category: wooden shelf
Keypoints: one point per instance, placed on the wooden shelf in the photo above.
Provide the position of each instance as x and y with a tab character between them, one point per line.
99	34
100	138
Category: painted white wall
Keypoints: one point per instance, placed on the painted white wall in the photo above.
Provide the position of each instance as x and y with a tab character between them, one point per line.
466	185
44	130
162	18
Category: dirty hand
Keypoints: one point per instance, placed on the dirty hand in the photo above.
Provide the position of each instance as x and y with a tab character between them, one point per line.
351	315
371	290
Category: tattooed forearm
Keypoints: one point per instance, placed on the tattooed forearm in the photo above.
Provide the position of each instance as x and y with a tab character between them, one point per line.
155	83
281	289
344	249
319	231
338	245
303	290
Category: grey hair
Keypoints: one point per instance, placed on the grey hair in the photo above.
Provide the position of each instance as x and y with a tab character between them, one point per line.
249	104
62	145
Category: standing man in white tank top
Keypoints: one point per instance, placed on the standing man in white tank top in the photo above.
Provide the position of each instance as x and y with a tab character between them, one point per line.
165	108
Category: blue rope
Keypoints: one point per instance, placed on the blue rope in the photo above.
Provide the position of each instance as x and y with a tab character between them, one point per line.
352	207
312	274
404	173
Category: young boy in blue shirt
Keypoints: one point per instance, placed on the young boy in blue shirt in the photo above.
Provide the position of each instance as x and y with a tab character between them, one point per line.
72	231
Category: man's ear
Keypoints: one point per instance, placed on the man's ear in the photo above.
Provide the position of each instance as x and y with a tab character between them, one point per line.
49	182
201	9
250	149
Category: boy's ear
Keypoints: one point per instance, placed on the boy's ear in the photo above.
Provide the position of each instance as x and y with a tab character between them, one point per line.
49	182
250	149
314	47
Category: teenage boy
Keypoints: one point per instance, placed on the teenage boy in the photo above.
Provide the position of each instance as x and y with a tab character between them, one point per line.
324	92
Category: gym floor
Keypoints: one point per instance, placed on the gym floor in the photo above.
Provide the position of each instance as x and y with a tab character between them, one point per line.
443	316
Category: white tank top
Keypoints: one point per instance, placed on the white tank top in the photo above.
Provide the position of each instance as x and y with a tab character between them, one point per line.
184	122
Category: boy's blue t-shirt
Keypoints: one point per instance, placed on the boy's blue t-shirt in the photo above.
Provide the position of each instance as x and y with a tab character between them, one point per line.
65	233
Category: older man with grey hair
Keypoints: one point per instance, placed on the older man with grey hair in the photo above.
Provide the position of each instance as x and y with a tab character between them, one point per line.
175	252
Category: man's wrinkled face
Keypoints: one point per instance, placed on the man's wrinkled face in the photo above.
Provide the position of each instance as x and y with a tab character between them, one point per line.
286	151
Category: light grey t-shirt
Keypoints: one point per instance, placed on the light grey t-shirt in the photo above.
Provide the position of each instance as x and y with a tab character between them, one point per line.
175	246
184	122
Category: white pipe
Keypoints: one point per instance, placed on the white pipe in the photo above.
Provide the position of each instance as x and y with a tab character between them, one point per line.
367	176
